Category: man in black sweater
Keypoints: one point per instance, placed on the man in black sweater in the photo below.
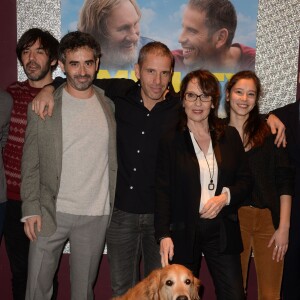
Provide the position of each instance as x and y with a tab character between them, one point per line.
290	116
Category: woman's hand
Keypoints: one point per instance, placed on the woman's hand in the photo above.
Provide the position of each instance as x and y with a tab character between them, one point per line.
280	239
213	206
166	251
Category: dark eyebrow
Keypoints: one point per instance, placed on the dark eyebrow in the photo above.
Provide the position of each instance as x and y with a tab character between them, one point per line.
28	47
192	29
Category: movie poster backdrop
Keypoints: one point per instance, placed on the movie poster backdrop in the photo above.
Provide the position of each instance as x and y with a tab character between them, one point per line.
159	20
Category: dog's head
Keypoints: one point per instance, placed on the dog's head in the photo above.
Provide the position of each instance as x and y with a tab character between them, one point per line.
178	283
174	282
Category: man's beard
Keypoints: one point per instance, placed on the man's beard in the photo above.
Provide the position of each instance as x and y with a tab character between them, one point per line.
80	86
117	58
37	76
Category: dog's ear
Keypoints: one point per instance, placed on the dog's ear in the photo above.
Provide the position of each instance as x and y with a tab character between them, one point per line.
153	281
195	289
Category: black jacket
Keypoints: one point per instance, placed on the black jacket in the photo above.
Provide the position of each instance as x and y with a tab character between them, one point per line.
178	190
290	116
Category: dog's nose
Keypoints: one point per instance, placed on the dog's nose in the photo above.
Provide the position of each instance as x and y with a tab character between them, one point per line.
182	297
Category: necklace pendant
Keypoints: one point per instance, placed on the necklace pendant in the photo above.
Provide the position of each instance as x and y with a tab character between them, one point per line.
211	186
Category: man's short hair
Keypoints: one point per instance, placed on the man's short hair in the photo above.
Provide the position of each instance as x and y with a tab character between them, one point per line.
48	42
157	48
75	40
94	15
219	14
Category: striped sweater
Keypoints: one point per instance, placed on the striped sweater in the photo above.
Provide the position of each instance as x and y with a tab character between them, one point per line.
22	94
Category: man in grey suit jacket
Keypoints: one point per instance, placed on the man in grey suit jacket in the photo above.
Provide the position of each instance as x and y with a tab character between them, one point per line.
69	174
5	109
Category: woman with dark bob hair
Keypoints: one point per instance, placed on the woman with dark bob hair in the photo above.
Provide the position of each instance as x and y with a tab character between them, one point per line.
202	178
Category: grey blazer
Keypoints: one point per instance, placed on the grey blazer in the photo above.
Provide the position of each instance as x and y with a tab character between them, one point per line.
6	104
42	161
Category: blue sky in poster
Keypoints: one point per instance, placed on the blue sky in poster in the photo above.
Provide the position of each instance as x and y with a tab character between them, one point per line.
161	19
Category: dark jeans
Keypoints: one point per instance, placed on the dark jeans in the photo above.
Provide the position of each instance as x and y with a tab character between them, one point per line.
2	217
17	248
225	269
130	237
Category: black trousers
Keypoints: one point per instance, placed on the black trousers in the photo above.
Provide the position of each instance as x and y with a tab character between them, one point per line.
291	270
17	248
225	269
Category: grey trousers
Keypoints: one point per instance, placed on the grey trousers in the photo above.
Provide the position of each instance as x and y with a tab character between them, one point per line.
86	235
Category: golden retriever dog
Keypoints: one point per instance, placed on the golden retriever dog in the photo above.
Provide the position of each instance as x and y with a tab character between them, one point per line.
173	282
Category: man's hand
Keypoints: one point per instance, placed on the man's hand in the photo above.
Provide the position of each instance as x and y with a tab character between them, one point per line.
166	251
30	224
43	102
277	127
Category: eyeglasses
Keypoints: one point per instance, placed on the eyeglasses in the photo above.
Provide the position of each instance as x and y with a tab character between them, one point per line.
192	97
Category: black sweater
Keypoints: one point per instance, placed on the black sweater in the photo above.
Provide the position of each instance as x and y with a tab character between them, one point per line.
272	176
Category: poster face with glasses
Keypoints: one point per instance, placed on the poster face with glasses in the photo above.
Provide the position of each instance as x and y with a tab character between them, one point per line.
220	38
